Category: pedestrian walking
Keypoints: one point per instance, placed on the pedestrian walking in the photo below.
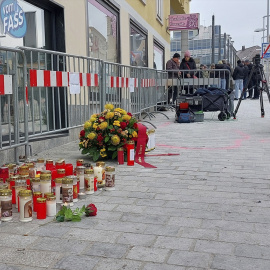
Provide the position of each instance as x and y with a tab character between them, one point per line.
238	76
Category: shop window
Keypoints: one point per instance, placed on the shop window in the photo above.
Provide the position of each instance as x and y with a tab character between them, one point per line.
103	31
138	47
158	56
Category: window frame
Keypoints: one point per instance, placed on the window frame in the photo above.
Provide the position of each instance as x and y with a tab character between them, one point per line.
159	10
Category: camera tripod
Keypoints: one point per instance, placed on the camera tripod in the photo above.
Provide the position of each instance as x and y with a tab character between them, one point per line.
258	68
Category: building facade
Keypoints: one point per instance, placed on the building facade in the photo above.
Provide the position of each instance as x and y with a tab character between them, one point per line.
200	45
130	32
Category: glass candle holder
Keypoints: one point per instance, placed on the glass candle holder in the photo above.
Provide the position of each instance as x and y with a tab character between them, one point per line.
40	165
32	170
45	183
11	167
41	208
79	162
89	181
99	173
49	164
4	173
109	178
19	185
36	195
130	153
6	204
120	155
61	173
51	206
67	190
58	190
35	184
60	164
26	209
48	194
11	186
69	169
80	175
75	186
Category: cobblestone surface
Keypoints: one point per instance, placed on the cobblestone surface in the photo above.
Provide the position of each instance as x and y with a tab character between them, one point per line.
206	208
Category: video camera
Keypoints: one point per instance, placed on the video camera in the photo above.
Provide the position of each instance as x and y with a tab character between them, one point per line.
257	60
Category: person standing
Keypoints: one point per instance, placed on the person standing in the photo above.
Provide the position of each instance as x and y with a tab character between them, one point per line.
221	74
238	76
173	64
188	63
227	73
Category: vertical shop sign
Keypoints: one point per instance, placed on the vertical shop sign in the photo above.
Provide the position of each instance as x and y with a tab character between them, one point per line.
13	18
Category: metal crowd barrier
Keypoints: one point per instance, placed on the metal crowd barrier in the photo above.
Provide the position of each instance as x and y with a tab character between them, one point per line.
13	110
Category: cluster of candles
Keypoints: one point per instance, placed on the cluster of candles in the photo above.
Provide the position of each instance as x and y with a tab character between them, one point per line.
39	186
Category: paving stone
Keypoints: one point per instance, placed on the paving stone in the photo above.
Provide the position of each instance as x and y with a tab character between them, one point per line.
253	251
71	262
155	266
241	263
169	230
67	245
195	233
135	239
117	264
51	230
31	258
185	222
16	241
153	219
186	258
107	250
173	243
214	247
157	255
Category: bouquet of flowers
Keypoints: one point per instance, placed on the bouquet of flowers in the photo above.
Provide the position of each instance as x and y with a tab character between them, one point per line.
105	132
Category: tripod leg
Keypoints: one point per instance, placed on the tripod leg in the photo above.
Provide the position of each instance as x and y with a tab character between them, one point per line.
239	102
261	103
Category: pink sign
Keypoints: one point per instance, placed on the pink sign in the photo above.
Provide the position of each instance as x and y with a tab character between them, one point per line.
183	22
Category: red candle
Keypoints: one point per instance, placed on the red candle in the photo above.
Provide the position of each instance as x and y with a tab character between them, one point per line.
78	184
95	184
130	153
120	155
79	162
11	185
4	173
49	164
61	173
35	196
69	169
60	164
41	208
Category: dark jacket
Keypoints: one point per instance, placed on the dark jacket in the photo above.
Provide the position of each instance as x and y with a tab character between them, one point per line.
222	73
188	65
171	65
238	73
246	72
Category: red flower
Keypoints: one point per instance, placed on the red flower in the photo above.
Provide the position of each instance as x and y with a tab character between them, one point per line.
130	114
123	125
134	139
135	126
101	119
90	210
82	133
100	138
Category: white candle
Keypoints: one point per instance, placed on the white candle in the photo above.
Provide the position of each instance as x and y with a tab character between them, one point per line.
6	205
17	190
98	173
89	184
45	186
58	190
26	205
51	206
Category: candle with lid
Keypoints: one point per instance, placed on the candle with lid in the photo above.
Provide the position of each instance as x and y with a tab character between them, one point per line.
6	204
19	185
51	206
49	164
41	208
36	195
35	184
48	194
40	165
60	164
130	153
80	175
99	173
25	205
89	181
61	173
69	169
109	178
120	155
75	186
11	186
67	190
4	173
58	190
45	183
79	162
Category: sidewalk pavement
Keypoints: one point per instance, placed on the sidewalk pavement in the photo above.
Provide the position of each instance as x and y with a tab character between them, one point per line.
207	208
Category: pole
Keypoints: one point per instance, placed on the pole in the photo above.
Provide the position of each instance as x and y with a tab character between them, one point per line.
213	39
219	43
225	51
267	39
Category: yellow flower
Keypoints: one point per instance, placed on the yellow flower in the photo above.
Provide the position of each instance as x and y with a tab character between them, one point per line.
91	136
87	124
102	152
103	125
134	134
117	114
124	112
109	115
116	123
126	117
95	125
115	139
93	119
109	106
118	110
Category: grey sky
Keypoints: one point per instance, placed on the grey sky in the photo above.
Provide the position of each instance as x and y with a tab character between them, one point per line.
239	18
